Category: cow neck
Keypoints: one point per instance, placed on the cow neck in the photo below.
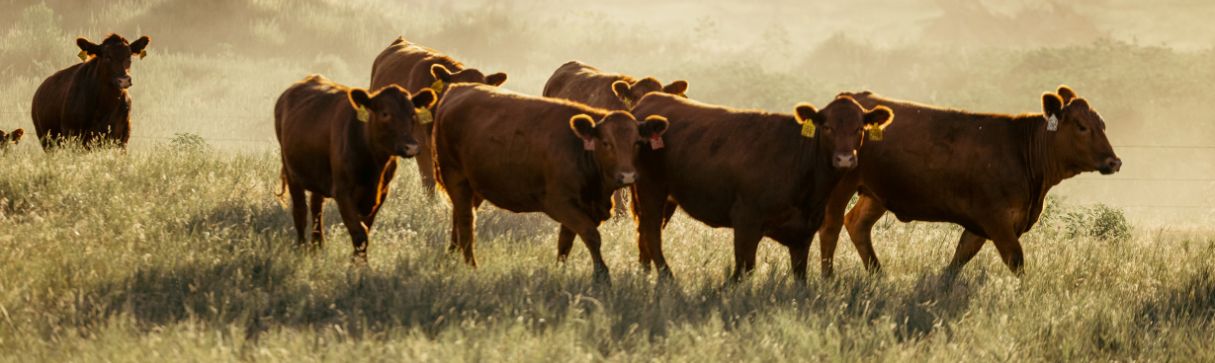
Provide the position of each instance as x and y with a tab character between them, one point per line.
1043	168
813	167
365	148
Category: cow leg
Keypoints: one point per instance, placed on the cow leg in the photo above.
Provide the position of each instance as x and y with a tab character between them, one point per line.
968	246
565	242
299	210
587	228
829	232
318	225
1009	245
799	259
462	219
353	220
747	234
859	222
643	249
426	170
652	206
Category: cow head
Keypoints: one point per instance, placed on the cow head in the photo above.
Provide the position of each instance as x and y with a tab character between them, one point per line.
1077	133
614	142
630	93
841	127
390	114
444	77
11	138
113	57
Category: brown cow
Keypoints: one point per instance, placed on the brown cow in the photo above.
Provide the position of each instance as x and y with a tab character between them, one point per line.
579	82
760	173
988	173
342	143
10	139
88	101
415	68
533	154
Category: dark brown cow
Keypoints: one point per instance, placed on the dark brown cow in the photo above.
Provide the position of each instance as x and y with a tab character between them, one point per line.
988	173
760	173
532	154
10	139
88	101
342	143
415	68
579	82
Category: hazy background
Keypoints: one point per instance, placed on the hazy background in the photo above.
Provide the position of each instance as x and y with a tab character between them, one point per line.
216	67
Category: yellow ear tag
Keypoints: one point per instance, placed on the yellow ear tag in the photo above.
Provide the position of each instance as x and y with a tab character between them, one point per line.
438	86
424	116
143	54
362	114
808	128
875	133
84	56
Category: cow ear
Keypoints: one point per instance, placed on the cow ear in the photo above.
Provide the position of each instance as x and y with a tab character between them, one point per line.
88	47
16	135
496	79
621	89
1052	104
424	99
879	117
361	101
805	112
584	126
679	87
1067	94
653	125
140	45
440	72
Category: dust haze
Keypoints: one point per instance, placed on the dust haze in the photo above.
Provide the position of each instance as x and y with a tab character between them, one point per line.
216	67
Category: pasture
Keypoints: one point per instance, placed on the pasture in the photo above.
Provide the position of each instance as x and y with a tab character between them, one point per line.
178	250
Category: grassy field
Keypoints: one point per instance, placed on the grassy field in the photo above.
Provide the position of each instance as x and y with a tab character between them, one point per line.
177	249
181	253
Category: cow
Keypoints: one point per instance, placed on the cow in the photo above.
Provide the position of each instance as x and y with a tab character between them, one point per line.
88	101
988	173
534	154
10	139
760	173
415	68
342	143
580	82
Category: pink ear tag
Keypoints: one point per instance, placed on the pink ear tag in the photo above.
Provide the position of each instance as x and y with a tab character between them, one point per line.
588	144
656	142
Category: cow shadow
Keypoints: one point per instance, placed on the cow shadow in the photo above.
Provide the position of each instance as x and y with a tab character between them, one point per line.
936	300
1193	302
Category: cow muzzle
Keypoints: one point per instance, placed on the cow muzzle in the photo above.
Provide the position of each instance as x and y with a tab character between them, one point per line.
627	178
1110	166
409	150
124	82
844	160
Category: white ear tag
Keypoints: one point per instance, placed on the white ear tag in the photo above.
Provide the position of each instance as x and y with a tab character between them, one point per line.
1052	123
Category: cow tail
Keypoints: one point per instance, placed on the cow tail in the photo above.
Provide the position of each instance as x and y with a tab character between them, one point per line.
281	194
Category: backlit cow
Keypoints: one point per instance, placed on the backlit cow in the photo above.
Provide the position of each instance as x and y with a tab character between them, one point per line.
88	102
988	173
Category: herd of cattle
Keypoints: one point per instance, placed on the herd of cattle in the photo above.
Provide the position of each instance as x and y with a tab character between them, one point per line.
594	134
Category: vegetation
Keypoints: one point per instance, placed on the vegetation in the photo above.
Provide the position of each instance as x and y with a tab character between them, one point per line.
177	249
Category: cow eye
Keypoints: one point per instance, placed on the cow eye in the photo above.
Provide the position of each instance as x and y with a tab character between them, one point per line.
1082	128
385	115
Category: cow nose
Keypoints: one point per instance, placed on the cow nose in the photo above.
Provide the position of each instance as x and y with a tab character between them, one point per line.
125	82
409	151
1112	165
628	178
844	160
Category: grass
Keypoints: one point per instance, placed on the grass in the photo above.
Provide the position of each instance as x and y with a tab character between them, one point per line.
182	253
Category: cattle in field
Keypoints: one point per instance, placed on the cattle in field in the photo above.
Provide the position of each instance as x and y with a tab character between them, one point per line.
9	139
415	67
88	101
760	173
534	154
343	143
580	82
988	173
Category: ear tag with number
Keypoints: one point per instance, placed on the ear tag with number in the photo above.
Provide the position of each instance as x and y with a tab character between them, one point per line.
424	116
875	133
808	128
1052	123
362	114
656	142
